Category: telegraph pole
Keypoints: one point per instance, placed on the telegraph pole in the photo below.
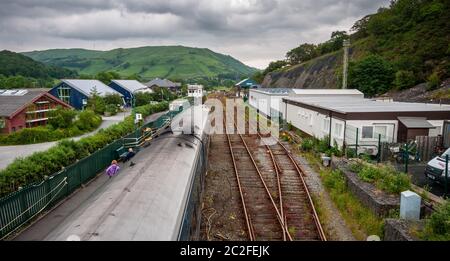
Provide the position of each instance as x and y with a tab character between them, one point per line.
345	65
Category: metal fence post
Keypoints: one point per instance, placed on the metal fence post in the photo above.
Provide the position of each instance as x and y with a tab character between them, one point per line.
356	143
379	148
406	157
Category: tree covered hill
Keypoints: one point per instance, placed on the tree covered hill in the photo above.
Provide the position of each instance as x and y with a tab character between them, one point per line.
174	62
20	71
394	49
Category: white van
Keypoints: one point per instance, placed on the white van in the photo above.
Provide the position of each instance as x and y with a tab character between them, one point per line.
435	168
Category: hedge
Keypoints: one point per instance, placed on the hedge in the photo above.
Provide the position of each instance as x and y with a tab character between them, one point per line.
33	168
87	121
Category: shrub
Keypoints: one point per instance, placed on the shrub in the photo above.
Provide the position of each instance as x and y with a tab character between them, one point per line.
323	145
307	144
88	120
385	178
350	152
370	173
111	109
113	99
433	81
437	226
404	79
61	118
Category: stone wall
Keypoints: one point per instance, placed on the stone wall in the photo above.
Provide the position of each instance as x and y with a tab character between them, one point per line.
380	202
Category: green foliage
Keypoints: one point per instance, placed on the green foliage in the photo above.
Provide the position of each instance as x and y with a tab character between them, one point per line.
14	64
111	109
114	99
404	79
61	118
384	177
433	81
106	77
360	219
302	53
60	127
143	98
24	171
173	62
96	103
307	144
372	75
350	152
88	120
437	226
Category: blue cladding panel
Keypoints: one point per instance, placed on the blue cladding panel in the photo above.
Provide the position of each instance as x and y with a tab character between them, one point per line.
76	97
126	94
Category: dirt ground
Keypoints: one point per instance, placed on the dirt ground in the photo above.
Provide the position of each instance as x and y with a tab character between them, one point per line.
222	217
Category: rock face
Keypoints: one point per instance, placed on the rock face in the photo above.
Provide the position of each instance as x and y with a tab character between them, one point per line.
319	73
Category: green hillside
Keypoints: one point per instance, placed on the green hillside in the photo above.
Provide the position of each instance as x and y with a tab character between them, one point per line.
20	71
398	47
174	62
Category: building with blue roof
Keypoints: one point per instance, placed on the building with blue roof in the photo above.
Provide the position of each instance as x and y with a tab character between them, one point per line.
128	88
76	92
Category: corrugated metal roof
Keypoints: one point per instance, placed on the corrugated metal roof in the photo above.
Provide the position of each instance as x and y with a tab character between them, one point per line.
11	103
132	85
327	91
86	86
274	91
415	122
349	105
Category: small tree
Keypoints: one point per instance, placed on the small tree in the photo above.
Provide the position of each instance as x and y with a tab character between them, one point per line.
372	75
96	102
61	118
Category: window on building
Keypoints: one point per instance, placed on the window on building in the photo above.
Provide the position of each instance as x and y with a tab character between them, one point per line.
380	130
367	132
326	125
2	123
338	130
64	93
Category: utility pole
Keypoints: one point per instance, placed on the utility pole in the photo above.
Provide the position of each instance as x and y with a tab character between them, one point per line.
345	65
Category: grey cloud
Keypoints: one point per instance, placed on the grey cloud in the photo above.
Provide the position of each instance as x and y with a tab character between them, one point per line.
270	26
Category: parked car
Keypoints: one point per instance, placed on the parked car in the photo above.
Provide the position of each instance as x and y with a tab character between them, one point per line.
435	168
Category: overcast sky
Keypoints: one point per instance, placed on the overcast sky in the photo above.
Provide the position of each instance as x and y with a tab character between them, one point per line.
253	31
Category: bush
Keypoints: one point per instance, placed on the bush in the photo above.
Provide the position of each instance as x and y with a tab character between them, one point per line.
323	145
385	178
433	81
113	99
61	118
350	152
437	227
307	144
111	109
88	120
404	79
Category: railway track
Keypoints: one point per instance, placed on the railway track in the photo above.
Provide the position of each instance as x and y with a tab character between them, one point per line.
278	206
